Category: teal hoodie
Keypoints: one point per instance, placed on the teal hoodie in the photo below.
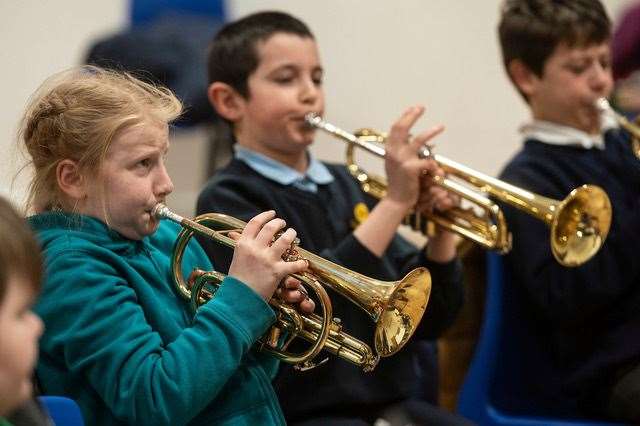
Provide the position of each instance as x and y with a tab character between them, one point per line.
122	343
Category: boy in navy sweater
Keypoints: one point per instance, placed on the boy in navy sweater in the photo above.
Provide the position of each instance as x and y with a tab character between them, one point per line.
587	318
265	75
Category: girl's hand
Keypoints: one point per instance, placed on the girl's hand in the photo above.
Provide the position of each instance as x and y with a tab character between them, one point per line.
293	292
257	258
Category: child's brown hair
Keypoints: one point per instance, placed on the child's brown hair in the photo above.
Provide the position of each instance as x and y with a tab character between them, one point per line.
233	52
19	250
530	30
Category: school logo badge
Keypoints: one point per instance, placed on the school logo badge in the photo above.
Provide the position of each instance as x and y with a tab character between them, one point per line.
360	214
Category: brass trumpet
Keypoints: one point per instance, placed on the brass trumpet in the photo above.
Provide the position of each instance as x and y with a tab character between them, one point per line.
632	127
579	223
396	307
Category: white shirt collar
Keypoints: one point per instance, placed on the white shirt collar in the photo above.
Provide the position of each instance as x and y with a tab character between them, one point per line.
557	134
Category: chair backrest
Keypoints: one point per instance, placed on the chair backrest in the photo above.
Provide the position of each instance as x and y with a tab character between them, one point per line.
146	11
500	386
63	411
167	44
473	400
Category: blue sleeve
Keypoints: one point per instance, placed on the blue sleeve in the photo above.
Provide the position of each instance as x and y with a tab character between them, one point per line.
100	332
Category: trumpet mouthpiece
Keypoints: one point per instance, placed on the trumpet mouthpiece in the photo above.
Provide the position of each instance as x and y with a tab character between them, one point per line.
159	211
312	119
603	105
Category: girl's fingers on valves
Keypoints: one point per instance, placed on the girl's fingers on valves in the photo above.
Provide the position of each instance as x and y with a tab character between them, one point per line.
288	268
290	283
307	305
284	241
269	230
256	223
297	295
292	295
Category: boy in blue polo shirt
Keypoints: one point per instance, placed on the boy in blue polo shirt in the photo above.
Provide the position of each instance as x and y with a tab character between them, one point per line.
265	75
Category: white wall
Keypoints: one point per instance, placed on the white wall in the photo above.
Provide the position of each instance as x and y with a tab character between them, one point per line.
37	39
379	57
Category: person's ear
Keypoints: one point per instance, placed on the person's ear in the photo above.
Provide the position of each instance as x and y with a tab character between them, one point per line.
70	180
523	77
226	101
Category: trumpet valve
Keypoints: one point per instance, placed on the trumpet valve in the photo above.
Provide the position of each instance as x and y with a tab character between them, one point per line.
273	337
291	254
336	325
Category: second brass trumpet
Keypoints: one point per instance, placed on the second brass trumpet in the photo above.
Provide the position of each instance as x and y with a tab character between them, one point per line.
631	126
579	223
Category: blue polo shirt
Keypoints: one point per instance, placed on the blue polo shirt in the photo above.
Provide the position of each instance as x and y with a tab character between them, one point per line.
316	174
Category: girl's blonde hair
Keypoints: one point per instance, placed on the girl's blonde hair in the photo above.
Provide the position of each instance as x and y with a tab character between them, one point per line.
76	114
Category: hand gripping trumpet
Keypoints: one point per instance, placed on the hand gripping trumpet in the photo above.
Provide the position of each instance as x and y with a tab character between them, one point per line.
395	307
579	223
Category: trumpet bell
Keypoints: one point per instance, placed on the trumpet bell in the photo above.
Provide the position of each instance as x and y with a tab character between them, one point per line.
403	312
580	226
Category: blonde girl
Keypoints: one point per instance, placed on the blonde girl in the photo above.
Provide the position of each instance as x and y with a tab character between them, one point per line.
118	339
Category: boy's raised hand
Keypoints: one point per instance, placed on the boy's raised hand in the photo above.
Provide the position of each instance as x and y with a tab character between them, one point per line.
433	197
403	166
257	258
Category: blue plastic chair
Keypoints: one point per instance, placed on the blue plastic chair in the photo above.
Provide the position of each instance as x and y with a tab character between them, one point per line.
495	389
63	411
146	11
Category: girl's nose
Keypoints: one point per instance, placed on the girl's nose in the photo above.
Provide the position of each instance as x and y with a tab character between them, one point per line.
164	185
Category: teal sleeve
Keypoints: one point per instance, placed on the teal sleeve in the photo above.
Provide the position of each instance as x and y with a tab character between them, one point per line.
94	320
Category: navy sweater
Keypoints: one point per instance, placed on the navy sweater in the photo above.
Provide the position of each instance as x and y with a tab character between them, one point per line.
323	222
588	318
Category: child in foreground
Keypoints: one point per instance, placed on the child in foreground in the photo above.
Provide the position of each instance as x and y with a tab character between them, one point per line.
119	339
20	328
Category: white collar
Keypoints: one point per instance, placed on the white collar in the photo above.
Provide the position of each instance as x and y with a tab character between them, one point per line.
557	134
